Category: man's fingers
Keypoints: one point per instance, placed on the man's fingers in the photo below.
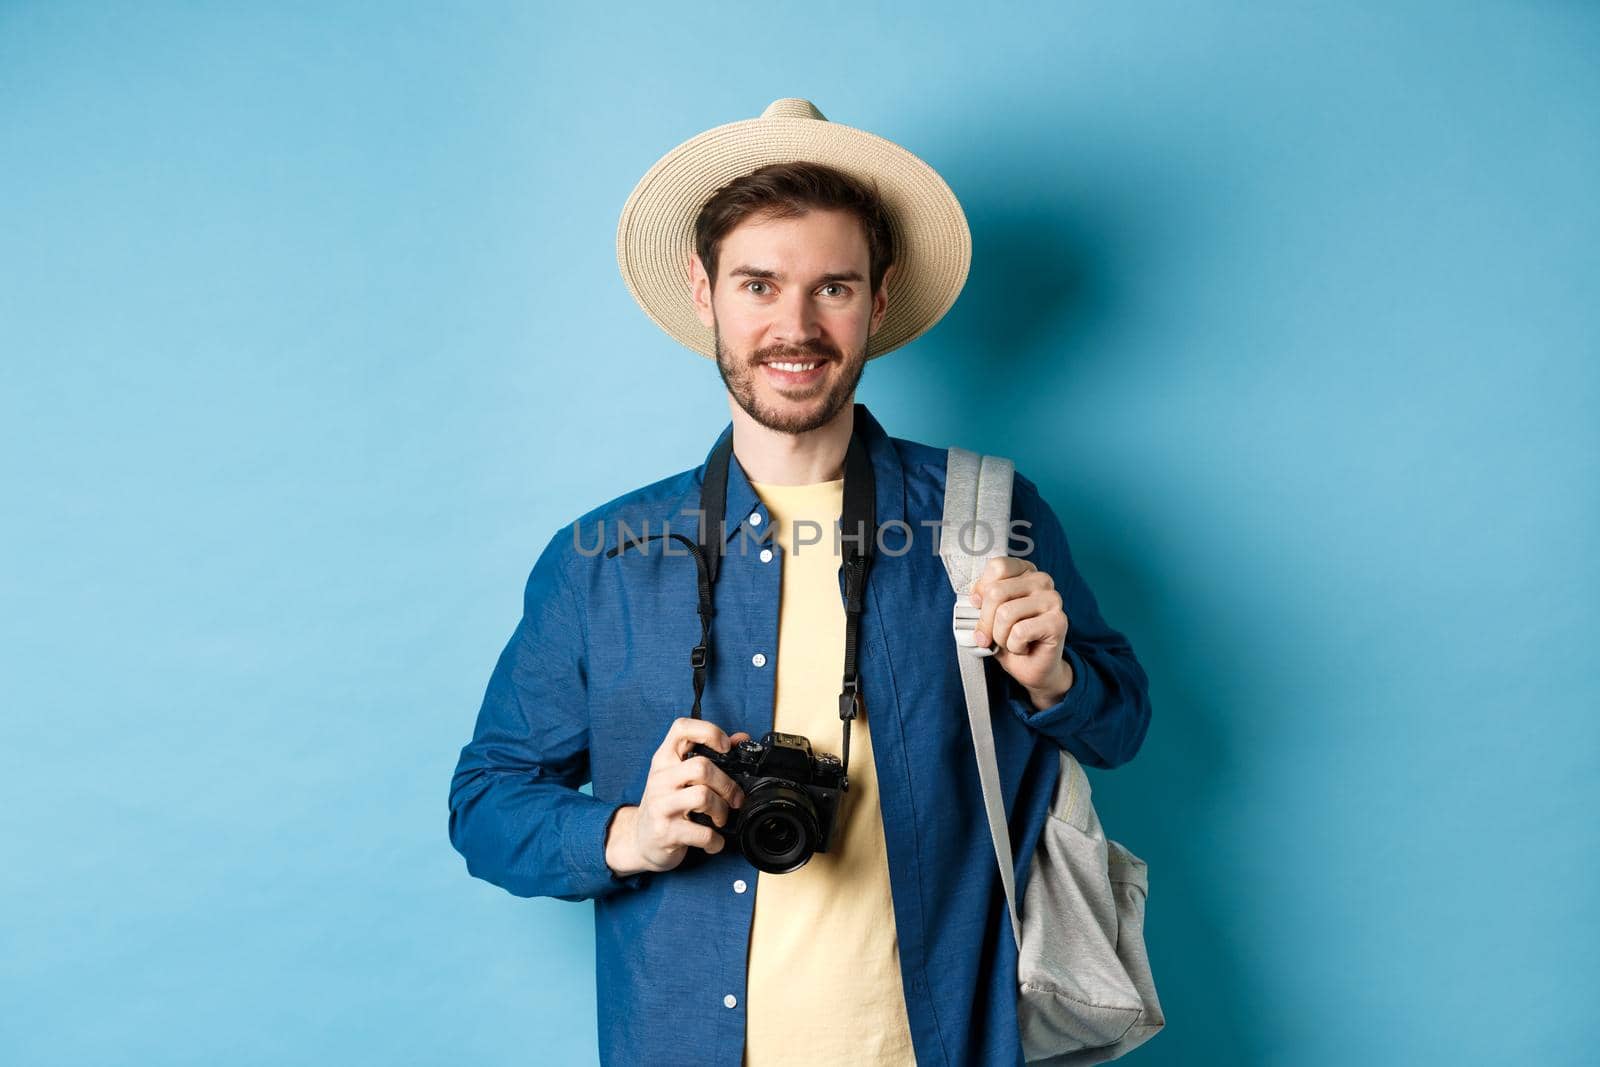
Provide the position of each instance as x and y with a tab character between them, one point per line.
1024	633
999	567
992	596
693	833
680	802
1007	614
697	770
685	732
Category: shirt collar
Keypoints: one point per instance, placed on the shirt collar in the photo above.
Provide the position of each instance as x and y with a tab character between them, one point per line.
743	501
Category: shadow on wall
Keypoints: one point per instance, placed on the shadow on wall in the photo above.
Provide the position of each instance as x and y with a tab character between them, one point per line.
1042	300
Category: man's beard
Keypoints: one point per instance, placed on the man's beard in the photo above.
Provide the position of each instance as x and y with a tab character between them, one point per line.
739	376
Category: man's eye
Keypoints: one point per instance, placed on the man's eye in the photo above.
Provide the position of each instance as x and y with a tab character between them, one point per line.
762	285
841	290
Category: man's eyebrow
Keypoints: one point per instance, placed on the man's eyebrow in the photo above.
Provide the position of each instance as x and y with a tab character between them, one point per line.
761	272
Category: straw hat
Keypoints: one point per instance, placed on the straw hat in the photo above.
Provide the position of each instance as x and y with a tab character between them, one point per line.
655	235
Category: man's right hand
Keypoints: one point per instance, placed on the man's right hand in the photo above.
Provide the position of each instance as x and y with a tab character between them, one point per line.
656	834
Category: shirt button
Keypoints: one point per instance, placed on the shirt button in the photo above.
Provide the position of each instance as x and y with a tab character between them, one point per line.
730	1001
739	886
766	555
759	659
755	520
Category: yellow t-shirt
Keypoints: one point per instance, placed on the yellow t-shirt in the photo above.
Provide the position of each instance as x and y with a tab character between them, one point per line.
824	968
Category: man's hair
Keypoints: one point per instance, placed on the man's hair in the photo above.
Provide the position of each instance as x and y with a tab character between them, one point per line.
786	191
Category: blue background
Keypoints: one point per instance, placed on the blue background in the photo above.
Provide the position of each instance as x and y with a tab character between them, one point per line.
311	334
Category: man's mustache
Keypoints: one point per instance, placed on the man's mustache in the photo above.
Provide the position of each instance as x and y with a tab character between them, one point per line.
792	354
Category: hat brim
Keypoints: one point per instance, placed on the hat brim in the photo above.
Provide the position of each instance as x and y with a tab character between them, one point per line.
655	234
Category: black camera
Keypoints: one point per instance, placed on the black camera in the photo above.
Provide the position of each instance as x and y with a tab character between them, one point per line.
791	800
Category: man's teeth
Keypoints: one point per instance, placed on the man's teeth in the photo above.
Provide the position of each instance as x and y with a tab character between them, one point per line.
793	367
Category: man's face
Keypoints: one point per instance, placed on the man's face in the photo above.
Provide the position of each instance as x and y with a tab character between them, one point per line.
791	314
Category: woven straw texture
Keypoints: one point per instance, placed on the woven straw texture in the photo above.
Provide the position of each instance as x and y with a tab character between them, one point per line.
655	235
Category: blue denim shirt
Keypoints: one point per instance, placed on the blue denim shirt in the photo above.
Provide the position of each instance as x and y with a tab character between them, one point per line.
598	668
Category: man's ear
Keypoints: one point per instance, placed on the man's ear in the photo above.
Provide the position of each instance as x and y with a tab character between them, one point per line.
700	290
880	300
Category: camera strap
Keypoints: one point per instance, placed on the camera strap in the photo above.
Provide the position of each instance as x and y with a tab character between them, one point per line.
858	532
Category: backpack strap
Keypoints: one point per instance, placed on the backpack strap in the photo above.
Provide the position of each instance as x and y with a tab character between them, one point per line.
977	522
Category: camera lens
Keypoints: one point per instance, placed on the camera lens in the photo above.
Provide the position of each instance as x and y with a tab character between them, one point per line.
778	830
777	835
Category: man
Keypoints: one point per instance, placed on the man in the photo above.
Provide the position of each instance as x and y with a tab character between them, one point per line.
819	247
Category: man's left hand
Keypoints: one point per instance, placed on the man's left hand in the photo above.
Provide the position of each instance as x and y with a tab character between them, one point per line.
1023	615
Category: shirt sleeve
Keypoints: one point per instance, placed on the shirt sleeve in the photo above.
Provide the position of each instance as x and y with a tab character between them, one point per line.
516	812
1102	720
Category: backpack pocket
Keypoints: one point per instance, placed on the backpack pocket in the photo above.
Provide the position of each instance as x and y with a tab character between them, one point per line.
1082	970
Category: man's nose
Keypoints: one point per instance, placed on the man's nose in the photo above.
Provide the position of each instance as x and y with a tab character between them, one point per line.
796	321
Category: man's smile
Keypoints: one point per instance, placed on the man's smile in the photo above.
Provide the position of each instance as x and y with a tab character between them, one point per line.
795	372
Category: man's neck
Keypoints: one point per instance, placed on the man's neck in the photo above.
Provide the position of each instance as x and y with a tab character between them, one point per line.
792	459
